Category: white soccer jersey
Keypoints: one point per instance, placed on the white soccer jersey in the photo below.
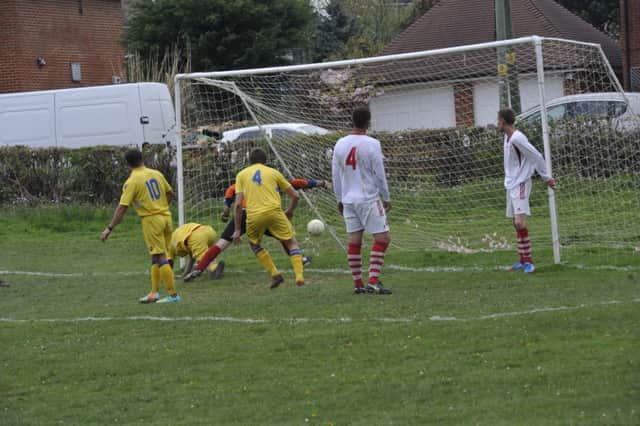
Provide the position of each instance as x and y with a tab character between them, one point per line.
358	170
521	161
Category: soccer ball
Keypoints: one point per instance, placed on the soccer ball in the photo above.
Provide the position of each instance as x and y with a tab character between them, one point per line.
315	227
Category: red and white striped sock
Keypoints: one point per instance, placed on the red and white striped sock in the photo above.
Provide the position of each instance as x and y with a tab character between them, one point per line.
355	263
524	246
376	260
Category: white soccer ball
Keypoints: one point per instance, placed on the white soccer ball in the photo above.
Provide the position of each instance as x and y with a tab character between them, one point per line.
315	227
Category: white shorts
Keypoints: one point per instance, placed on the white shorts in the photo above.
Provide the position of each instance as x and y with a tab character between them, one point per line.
369	217
518	199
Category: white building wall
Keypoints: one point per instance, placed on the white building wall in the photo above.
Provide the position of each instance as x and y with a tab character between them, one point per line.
418	108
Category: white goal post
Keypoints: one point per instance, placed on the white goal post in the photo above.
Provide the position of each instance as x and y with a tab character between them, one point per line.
434	112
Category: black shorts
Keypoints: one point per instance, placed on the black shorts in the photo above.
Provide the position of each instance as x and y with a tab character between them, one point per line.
227	234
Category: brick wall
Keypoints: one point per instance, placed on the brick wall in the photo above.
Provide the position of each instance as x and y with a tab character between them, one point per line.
633	30
58	32
463	97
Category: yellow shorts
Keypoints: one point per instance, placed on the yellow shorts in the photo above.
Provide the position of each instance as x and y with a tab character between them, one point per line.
276	222
200	240
157	231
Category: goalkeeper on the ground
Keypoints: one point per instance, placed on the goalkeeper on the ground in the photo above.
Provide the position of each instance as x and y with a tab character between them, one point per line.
193	240
227	235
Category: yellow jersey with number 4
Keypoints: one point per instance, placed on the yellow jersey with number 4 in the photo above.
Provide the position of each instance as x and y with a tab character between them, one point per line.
261	186
146	191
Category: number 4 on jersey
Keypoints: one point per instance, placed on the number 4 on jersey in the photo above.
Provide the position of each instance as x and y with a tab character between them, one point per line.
257	177
351	158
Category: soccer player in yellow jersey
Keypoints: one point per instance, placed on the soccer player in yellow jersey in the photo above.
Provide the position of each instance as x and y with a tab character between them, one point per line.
258	185
193	240
149	193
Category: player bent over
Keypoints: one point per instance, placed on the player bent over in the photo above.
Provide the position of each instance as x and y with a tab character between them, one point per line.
257	185
226	237
521	161
359	181
193	240
149	193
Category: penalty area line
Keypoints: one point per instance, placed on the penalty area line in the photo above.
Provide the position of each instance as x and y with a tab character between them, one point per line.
341	320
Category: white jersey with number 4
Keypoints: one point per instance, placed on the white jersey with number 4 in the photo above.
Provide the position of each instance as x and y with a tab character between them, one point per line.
358	170
521	161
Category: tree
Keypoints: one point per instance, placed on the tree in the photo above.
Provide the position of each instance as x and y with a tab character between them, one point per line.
602	14
221	34
334	30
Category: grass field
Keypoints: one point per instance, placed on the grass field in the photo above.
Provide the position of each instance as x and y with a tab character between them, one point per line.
471	346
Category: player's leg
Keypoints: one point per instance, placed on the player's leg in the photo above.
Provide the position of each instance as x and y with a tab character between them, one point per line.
166	271
355	230
214	251
375	222
199	242
519	209
280	227
150	239
256	228
306	260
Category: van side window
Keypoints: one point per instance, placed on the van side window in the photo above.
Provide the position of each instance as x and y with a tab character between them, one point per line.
617	108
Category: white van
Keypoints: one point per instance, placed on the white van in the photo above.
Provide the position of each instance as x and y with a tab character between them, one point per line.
121	114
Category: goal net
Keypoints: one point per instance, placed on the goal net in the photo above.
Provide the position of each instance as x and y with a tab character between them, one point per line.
434	113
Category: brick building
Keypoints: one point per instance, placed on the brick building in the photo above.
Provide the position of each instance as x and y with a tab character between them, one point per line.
630	41
43	40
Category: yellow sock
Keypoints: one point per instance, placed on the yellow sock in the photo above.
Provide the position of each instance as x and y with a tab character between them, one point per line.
265	259
155	278
296	262
166	273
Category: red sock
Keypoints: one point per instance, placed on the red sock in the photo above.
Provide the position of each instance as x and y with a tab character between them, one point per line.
524	246
209	256
355	263
376	260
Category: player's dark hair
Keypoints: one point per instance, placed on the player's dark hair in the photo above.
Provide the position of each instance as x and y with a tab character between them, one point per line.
361	117
508	115
133	158
257	156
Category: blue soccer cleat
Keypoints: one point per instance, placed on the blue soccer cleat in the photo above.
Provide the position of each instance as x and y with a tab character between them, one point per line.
516	266
170	299
529	268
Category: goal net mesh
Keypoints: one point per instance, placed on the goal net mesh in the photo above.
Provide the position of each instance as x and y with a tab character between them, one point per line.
435	114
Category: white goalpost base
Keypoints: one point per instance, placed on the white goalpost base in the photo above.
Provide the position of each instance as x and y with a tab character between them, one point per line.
432	112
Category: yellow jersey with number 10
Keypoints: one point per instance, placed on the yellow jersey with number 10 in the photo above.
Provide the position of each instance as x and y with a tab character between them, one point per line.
146	191
260	185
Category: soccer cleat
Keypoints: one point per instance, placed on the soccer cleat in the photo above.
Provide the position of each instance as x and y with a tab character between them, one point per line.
192	275
528	268
359	290
276	281
378	289
299	283
306	260
150	298
170	299
218	272
516	266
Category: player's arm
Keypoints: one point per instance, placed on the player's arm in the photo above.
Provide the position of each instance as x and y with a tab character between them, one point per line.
295	197
531	153
168	190
121	210
381	176
336	179
127	197
188	267
238	217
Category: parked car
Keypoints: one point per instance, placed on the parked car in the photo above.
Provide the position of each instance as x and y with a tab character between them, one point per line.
623	112
271	130
120	114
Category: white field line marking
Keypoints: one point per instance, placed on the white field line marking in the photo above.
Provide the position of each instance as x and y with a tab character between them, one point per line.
426	269
320	320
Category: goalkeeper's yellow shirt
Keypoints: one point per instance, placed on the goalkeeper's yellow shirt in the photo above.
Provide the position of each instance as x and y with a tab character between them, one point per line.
146	191
261	186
